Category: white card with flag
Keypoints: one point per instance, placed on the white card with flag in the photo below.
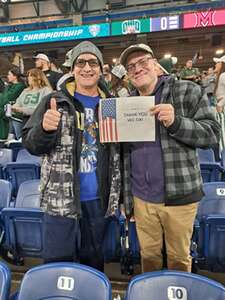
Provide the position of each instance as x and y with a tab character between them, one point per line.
126	119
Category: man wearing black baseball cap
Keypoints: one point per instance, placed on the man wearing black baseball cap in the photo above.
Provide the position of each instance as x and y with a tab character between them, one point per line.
75	178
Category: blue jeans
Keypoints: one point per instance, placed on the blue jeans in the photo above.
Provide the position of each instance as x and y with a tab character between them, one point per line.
17	128
93	227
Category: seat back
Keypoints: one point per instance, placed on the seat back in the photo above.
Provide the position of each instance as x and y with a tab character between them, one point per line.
206	155
213	242
15	147
17	173
64	281
28	194
111	245
6	156
214	200
133	241
223	157
24	231
211	171
209	231
163	285
24	156
5	279
5	193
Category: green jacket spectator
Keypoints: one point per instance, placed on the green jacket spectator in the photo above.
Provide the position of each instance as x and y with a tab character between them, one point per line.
9	95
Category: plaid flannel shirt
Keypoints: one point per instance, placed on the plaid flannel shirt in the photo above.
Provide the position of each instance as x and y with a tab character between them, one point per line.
195	126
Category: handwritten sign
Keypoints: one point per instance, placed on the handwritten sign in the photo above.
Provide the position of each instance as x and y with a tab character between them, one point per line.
126	119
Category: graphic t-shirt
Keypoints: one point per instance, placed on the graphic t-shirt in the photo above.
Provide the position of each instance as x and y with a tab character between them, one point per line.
88	158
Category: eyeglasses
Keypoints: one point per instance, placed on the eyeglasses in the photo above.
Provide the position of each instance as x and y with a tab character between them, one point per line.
81	63
143	62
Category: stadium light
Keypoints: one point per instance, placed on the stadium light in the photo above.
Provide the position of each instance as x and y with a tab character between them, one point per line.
167	55
219	51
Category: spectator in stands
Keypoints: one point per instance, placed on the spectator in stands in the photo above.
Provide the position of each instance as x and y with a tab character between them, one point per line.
119	86
76	169
42	62
164	175
9	95
219	93
67	66
189	72
168	63
26	103
107	75
208	83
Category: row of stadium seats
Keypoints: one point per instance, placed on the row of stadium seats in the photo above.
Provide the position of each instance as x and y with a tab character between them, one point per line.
23	168
211	170
18	165
75	281
22	227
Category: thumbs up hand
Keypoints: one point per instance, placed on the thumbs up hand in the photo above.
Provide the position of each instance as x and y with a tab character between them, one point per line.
51	117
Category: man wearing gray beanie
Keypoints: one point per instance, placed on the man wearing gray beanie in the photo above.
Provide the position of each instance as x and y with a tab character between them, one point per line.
75	178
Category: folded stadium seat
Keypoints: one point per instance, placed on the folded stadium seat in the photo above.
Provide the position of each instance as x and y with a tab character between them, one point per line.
111	244
28	194
24	156
15	147
133	241
24	223
6	156
211	170
5	197
130	250
208	240
18	172
5	281
163	285
64	281
223	157
206	155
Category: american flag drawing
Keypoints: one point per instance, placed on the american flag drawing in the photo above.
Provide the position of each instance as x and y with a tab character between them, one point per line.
107	124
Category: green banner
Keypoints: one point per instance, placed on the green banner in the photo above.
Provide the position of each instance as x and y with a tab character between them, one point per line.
131	26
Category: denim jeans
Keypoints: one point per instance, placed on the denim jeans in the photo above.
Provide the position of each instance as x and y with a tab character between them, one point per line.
17	128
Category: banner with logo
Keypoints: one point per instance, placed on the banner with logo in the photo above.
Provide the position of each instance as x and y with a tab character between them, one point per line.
55	35
204	19
130	26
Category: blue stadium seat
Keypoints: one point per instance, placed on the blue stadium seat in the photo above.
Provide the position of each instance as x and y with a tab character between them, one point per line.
23	231
5	157
28	194
175	285
112	241
24	156
18	172
211	171
24	223
133	241
5	193
130	250
15	147
5	197
206	155
5	280
64	281
208	241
